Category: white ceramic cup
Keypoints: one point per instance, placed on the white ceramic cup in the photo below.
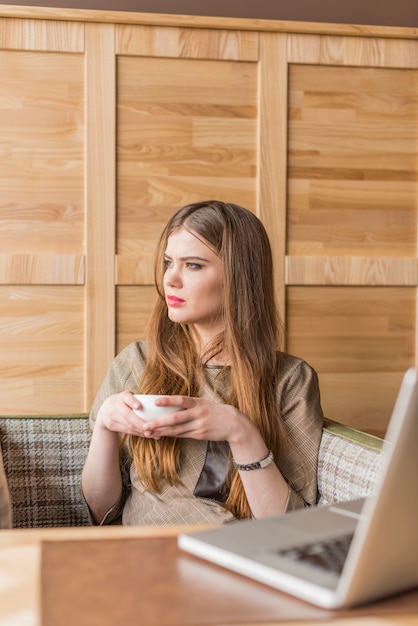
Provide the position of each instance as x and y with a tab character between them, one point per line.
149	410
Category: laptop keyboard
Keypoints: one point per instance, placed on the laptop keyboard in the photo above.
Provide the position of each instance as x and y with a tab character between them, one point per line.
329	555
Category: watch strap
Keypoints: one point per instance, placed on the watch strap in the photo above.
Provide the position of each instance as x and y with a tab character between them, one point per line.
246	467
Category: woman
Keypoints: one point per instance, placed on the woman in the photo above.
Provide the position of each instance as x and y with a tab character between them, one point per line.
243	438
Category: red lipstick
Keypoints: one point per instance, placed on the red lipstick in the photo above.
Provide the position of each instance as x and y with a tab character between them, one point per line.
174	301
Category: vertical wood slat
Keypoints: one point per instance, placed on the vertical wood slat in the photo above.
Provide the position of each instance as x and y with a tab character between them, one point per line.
100	172
272	150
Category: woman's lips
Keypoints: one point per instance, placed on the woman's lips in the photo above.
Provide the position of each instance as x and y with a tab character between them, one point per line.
174	301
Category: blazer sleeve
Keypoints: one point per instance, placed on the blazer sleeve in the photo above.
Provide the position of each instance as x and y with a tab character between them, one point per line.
123	374
301	412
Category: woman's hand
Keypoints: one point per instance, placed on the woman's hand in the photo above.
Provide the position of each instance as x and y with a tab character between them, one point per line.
199	418
116	414
266	490
194	418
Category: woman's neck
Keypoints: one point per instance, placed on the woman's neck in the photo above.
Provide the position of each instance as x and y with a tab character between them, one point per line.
203	342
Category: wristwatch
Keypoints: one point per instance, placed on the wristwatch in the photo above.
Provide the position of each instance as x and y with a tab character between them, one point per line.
246	467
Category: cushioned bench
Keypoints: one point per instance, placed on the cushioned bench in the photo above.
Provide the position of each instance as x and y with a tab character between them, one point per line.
43	459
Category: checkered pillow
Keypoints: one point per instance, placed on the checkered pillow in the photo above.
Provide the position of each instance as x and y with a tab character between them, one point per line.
43	459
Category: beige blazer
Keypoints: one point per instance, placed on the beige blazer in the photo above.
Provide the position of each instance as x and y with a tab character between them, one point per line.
298	402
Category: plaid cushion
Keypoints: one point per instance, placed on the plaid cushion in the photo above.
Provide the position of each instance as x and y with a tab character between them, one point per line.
349	464
44	456
43	459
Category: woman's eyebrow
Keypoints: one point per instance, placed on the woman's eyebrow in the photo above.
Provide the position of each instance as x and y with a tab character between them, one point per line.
188	258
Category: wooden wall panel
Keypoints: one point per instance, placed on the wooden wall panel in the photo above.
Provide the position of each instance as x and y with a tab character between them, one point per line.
41	269
133	308
353	137
107	128
42	35
42	349
353	51
354	270
360	340
41	158
187	130
163	41
41	218
352	220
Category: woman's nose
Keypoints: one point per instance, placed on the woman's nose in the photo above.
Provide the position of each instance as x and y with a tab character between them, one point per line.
172	277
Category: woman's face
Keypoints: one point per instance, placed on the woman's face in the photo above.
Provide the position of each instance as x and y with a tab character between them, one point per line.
193	283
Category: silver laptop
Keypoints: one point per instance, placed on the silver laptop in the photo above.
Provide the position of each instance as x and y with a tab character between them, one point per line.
378	536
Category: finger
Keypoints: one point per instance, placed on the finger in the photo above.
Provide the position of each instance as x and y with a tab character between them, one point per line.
130	400
169	421
180	402
184	429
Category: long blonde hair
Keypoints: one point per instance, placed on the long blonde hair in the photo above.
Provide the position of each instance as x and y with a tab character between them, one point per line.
251	340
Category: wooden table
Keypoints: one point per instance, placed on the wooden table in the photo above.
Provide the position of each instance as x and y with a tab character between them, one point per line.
46	579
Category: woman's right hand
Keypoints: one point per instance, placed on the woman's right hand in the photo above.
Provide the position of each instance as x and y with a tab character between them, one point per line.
117	414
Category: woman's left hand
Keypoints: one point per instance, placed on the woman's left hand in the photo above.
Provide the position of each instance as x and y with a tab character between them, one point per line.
199	418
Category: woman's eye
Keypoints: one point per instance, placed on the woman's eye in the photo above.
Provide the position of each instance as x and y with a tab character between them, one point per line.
169	263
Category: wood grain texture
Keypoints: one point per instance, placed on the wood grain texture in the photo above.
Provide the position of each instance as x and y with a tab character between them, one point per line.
41	156
187	131
41	35
197	21
41	218
352	335
272	151
162	41
42	349
189	591
352	161
41	269
333	270
353	51
109	122
100	197
363	400
134	269
133	309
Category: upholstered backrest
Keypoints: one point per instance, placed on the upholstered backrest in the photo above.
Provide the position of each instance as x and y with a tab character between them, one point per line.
44	456
350	463
43	459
